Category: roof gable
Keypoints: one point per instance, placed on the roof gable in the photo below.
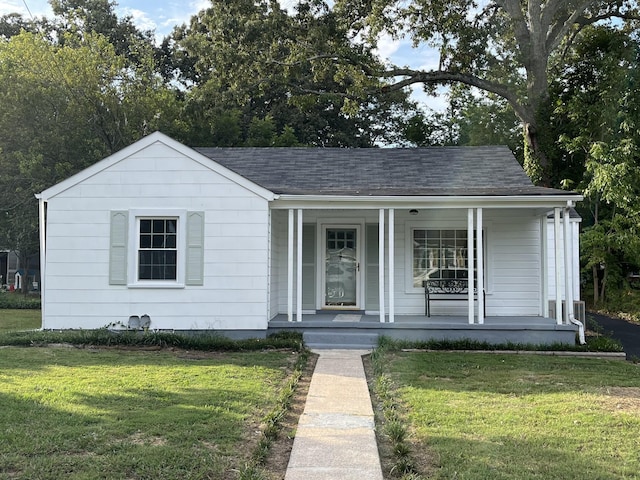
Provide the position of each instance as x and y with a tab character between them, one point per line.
154	138
441	171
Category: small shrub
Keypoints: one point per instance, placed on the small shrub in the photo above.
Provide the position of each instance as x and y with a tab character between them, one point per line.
396	431
604	344
18	301
104	337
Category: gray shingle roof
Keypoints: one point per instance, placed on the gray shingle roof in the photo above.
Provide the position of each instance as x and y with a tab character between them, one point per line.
448	171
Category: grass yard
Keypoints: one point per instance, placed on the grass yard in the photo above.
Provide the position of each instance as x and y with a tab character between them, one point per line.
485	416
13	319
109	413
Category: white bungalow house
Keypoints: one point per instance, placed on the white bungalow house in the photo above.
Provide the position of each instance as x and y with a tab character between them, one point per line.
342	242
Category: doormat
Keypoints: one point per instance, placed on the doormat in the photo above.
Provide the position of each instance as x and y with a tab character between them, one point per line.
346	317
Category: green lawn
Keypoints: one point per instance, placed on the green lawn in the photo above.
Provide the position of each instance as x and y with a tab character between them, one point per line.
11	320
483	416
89	413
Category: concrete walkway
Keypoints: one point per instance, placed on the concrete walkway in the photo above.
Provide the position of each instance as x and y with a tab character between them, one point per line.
335	438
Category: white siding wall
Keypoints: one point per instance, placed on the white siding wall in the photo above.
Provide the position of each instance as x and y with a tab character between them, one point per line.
234	294
514	264
278	262
551	259
512	258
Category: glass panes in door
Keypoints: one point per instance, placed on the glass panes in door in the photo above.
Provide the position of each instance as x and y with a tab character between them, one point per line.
341	267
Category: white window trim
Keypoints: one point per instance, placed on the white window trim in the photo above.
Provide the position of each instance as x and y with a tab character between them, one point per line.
442	225
134	241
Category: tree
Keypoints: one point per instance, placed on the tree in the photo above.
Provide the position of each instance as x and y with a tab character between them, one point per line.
470	119
505	47
63	107
12	24
597	118
239	62
76	18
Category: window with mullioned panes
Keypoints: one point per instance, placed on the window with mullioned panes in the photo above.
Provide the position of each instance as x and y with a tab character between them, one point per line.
439	254
158	249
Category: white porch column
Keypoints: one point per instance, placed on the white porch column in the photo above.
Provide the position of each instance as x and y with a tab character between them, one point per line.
470	265
290	268
558	261
568	267
391	265
299	268
479	255
381	262
544	266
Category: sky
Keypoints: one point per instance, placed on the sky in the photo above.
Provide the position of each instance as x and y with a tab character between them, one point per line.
162	15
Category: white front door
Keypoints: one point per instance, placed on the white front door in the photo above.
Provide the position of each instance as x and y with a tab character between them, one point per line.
341	271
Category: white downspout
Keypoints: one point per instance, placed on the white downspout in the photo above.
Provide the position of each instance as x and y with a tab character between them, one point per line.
42	206
568	281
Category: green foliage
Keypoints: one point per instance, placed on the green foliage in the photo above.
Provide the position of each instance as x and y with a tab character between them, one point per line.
593	345
623	302
289	79
597	117
64	106
18	301
104	337
394	425
506	49
272	421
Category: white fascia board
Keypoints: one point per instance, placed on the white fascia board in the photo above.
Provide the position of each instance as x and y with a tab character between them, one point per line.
156	137
373	202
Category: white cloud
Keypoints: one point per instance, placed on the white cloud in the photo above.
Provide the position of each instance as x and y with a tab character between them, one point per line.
139	18
386	47
38	8
438	102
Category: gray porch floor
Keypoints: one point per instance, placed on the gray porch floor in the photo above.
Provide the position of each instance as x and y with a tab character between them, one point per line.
355	329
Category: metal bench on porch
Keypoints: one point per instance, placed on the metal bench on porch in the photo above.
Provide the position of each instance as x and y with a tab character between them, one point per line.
450	288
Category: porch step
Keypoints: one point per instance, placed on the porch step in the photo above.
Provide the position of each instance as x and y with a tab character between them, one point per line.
340	340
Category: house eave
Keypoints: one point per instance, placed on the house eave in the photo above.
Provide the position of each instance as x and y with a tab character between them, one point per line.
340	202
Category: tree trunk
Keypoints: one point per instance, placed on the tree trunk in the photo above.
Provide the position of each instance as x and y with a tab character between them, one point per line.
25	282
537	143
596	284
604	284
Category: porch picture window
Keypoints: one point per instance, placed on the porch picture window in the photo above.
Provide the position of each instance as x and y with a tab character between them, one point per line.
439	254
158	249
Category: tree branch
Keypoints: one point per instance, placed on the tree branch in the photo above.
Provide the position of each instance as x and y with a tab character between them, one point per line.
519	22
561	28
441	76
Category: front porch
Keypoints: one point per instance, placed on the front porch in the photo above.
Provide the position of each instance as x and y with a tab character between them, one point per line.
359	330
